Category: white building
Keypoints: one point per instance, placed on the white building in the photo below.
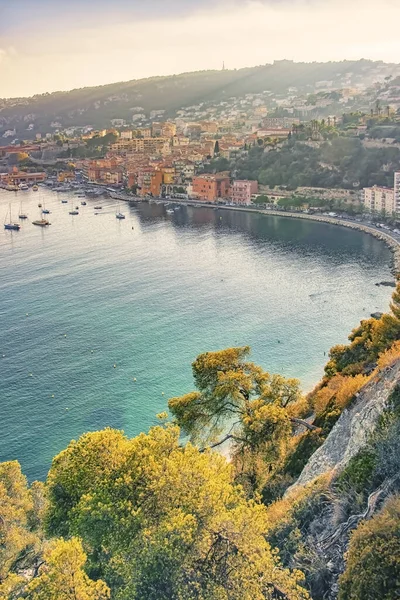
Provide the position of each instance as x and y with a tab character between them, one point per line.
379	199
397	192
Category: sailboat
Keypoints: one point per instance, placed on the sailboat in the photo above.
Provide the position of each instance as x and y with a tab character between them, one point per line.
119	215
21	214
11	225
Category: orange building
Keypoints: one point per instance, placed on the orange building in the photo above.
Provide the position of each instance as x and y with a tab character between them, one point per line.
211	188
16	177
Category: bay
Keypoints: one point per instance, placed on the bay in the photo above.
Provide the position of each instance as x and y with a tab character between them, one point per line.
148	294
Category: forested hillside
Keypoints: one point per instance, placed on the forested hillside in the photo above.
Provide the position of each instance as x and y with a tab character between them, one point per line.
96	106
342	162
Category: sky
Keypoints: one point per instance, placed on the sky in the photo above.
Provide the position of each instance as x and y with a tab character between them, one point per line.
49	45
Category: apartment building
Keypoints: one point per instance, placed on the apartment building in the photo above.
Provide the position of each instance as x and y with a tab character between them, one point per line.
146	145
379	199
211	188
396	192
242	191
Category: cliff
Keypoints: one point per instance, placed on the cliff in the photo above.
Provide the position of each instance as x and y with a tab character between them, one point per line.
354	427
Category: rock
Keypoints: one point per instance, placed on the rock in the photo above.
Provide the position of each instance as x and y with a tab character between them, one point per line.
376	315
353	428
387	283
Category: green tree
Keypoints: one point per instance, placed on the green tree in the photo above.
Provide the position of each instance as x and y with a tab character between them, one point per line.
62	576
164	522
236	395
16	505
373	559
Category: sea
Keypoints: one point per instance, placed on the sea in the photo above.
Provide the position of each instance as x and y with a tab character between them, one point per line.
100	318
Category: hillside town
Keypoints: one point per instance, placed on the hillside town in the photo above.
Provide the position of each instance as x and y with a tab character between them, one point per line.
232	151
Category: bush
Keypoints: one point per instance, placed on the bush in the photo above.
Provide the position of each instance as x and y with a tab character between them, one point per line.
373	559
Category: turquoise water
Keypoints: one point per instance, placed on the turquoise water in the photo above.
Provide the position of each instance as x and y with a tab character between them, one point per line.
150	293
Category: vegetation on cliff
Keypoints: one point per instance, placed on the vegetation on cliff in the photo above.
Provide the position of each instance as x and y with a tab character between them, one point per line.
160	517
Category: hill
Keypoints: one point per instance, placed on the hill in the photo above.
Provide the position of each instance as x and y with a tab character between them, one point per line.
96	106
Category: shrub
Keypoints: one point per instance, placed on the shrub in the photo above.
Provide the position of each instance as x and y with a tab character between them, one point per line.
373	558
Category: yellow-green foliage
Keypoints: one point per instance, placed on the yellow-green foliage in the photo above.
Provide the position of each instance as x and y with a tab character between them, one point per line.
16	505
373	558
338	392
62	576
231	389
388	357
165	521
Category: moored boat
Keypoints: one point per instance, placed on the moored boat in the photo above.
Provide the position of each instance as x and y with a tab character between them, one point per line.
41	222
22	215
10	224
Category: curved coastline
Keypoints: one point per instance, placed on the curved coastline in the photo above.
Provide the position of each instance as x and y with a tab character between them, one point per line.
392	242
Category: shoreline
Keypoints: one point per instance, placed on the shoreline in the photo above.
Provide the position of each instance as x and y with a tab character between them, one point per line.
392	242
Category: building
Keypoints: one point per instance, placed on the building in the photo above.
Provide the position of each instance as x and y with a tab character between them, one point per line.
126	135
273	132
15	177
142	145
381	199
242	191
280	122
211	188
396	192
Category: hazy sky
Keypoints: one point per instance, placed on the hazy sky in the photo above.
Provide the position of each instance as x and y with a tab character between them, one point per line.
48	45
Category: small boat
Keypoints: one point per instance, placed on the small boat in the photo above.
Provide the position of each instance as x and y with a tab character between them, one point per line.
41	222
98	207
35	188
83	203
73	212
14	226
11	225
21	214
46	211
64	201
120	215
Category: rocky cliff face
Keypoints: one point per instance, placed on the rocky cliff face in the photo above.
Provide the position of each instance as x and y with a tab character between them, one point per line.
354	427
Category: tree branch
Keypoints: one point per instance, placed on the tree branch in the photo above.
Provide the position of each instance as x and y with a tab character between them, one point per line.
306	424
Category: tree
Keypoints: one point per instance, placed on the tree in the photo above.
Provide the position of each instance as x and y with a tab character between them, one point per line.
62	576
236	400
373	558
216	148
163	521
367	341
15	507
